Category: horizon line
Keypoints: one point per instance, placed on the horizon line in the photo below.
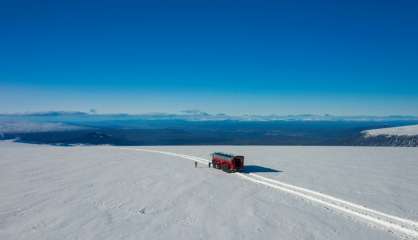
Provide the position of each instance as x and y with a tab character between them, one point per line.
196	113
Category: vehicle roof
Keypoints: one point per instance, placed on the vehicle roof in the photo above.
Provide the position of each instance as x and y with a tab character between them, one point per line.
224	154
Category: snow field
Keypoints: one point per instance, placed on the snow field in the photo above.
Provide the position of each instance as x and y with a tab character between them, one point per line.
405	227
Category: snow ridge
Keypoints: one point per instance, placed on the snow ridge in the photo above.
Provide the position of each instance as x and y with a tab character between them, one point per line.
406	228
411	130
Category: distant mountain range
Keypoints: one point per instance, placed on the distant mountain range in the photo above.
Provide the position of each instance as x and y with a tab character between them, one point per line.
194	127
196	115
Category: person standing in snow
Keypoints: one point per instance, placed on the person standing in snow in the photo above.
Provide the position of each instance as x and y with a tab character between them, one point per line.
195	164
209	163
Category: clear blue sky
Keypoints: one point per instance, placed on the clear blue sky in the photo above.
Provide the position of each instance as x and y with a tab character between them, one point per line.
256	57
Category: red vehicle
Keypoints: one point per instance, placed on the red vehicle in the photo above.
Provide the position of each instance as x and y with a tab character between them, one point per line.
227	162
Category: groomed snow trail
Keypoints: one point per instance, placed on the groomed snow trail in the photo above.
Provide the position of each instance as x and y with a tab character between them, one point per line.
406	228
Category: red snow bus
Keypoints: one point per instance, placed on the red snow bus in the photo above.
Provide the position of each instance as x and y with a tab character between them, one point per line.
227	162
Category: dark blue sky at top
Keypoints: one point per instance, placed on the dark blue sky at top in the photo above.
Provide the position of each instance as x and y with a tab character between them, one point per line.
341	57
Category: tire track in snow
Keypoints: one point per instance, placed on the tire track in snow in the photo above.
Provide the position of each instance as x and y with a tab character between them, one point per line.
377	214
364	215
405	227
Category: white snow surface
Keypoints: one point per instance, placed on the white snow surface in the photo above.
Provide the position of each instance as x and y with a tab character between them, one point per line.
28	126
411	130
105	192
